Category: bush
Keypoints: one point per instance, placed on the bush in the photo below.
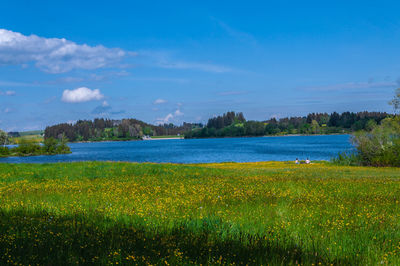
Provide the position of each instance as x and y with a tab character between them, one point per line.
50	145
380	146
4	151
27	147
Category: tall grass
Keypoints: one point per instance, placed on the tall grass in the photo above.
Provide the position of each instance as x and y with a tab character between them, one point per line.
252	213
347	159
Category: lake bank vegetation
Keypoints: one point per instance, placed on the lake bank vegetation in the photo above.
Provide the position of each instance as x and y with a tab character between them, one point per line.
31	147
379	146
262	213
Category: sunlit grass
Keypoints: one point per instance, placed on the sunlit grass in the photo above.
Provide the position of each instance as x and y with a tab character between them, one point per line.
250	213
30	138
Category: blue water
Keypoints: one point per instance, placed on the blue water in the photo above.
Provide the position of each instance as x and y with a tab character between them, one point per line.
202	150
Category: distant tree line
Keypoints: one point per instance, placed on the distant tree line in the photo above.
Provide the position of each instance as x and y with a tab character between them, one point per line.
231	124
225	120
13	134
106	129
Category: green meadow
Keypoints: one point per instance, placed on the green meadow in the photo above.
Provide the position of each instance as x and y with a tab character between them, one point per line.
268	213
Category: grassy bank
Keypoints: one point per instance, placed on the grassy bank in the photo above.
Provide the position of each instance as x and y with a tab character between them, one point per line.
167	137
254	213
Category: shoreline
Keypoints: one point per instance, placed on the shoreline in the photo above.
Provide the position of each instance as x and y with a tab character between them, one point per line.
305	135
290	162
172	138
274	136
95	141
162	138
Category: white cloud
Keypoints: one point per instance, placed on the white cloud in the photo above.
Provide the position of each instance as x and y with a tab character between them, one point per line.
178	112
159	101
105	104
167	119
55	55
82	94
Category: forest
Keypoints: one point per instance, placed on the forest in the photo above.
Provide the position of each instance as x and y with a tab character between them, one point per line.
233	124
230	124
101	129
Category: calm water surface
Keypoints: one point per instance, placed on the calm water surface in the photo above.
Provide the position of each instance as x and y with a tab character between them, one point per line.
202	150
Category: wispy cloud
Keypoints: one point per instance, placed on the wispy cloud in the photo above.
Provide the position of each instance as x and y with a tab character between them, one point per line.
228	93
353	86
105	110
50	100
14	83
118	112
8	93
159	101
55	55
101	110
160	79
165	60
234	33
195	66
105	76
66	80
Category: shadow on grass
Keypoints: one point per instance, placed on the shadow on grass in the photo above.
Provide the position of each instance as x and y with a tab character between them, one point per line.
40	238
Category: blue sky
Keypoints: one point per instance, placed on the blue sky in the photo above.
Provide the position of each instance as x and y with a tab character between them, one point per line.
175	61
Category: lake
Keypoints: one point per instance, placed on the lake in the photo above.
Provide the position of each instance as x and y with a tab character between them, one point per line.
286	148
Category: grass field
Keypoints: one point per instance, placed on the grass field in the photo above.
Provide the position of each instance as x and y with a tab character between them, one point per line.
252	213
30	138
